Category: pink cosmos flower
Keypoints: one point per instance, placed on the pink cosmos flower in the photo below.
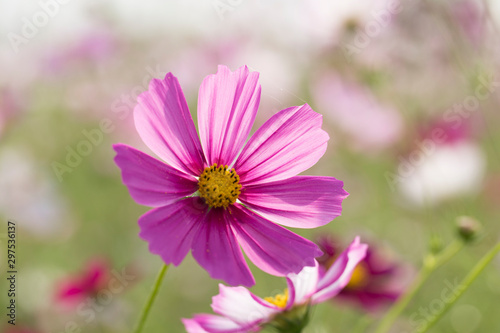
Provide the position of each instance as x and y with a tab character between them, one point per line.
89	282
241	311
216	193
374	282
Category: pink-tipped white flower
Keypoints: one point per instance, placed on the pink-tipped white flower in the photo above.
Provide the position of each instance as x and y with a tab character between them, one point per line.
241	311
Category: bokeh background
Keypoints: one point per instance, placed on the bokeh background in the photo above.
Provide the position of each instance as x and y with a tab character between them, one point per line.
409	92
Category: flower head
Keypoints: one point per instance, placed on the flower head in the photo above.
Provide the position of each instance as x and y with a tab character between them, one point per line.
215	193
89	282
241	311
372	282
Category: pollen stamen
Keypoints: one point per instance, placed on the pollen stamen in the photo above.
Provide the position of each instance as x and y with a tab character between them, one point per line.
219	186
279	300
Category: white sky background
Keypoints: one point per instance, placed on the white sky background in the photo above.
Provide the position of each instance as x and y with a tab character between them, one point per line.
196	17
145	16
296	24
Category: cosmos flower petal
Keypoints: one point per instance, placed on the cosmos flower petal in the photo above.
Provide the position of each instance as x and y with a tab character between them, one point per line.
192	326
217	251
163	121
290	142
250	310
227	105
339	274
170	230
298	202
215	324
270	247
152	182
303	284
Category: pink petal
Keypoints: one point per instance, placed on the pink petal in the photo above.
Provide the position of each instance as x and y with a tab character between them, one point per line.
270	247
298	202
217	251
152	182
227	105
192	326
340	273
164	123
170	230
241	306
290	142
303	284
218	324
96	275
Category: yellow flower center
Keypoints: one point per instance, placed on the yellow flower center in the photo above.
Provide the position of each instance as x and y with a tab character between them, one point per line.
279	300
219	186
359	277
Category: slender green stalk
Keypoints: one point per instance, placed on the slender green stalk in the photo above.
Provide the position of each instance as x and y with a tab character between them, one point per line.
151	299
448	252
464	285
431	263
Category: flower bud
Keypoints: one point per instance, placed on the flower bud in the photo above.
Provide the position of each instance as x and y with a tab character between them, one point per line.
468	228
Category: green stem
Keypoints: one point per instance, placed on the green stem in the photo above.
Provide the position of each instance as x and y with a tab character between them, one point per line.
464	285
431	263
151	299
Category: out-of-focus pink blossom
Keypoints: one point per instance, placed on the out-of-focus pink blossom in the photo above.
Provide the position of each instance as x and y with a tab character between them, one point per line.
368	123
471	19
87	283
374	283
93	47
9	107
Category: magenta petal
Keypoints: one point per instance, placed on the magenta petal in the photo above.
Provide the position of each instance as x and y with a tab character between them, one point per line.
192	326
290	142
270	247
298	202
152	182
164	123
170	230
217	251
340	273
216	324
227	105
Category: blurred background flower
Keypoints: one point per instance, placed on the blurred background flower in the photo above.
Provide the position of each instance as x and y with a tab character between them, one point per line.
376	282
